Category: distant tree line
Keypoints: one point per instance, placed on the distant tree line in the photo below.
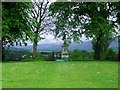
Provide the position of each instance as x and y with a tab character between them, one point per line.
75	55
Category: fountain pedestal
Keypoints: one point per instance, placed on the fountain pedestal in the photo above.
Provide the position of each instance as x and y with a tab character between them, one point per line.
64	53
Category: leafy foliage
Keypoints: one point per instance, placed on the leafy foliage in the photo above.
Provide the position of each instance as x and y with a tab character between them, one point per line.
15	29
101	30
77	55
66	24
38	13
111	54
91	19
39	56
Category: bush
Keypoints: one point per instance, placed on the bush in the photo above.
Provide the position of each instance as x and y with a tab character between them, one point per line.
86	55
111	54
39	56
50	56
5	54
76	55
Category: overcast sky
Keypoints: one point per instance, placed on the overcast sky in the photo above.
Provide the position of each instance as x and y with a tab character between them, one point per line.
50	39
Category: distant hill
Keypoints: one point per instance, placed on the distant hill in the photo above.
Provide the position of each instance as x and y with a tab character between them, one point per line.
86	45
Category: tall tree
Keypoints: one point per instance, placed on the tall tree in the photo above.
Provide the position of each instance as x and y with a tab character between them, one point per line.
66	27
116	9
100	29
38	13
102	34
14	26
92	19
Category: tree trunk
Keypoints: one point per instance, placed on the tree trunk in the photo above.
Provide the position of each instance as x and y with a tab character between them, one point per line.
35	45
34	49
96	52
99	49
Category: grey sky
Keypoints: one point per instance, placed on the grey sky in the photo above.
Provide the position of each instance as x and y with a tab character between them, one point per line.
50	39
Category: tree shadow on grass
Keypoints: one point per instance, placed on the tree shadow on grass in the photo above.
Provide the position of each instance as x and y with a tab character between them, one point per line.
38	60
19	61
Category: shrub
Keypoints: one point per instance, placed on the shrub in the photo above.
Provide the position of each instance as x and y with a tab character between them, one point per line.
86	55
39	56
111	54
50	56
76	55
5	54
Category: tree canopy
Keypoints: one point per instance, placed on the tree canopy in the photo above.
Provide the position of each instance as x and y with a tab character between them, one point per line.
94	20
15	29
22	21
38	13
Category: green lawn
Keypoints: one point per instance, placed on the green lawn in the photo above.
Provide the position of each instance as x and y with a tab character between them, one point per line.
51	74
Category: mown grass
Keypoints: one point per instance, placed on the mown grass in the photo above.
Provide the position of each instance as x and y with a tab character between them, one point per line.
51	74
